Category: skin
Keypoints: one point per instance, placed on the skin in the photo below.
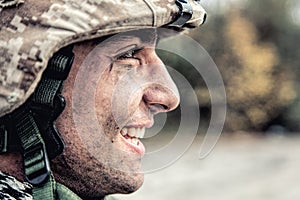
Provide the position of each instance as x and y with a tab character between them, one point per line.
129	88
93	176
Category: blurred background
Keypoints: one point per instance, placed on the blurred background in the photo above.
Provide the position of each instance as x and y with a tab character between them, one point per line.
255	47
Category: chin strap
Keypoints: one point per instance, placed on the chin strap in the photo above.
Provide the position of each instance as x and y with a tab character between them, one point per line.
32	126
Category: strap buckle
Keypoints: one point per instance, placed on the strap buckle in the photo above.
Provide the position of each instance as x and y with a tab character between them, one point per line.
36	164
186	12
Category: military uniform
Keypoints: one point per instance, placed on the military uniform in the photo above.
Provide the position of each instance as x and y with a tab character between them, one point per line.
11	188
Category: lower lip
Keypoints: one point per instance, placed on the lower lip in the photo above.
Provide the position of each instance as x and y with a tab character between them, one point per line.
140	148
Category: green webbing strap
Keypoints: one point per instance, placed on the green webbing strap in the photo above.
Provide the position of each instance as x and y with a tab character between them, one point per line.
45	191
63	193
46	104
46	92
35	158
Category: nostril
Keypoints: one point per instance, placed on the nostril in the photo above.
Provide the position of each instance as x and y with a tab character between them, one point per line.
157	107
164	107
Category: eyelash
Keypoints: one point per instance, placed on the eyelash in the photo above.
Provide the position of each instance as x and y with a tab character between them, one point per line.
128	54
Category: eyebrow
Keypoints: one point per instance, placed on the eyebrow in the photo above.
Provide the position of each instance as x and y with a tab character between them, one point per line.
144	35
126	48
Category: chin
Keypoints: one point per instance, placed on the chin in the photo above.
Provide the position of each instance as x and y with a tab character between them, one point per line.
127	183
117	184
136	184
94	180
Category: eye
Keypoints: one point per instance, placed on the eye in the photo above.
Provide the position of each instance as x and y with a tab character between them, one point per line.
128	54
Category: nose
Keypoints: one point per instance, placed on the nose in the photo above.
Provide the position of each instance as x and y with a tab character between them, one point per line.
161	94
159	98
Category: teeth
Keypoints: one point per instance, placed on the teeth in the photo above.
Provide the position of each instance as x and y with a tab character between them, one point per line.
133	132
134	141
123	131
142	132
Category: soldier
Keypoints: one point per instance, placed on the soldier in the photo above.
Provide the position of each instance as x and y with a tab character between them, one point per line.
80	138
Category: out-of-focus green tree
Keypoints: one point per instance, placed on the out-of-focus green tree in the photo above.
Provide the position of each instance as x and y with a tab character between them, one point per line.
255	48
277	22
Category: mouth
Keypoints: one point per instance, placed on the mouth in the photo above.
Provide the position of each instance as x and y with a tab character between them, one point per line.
131	135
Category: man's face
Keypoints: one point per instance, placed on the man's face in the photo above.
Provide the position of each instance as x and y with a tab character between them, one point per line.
113	91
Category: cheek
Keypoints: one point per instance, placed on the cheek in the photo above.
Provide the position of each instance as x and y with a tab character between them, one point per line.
118	95
103	96
104	101
134	100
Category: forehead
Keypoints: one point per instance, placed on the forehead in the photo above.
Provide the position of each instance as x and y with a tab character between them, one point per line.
145	37
110	45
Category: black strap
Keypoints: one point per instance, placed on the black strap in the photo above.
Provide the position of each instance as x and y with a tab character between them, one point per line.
9	140
3	139
186	13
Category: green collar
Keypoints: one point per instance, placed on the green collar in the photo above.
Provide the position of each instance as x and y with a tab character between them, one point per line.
53	191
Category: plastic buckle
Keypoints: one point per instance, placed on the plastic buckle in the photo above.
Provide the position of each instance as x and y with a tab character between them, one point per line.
59	105
186	12
36	164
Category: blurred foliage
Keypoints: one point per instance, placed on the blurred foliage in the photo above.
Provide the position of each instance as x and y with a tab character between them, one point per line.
255	49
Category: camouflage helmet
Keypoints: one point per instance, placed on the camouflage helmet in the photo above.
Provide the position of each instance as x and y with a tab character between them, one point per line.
32	31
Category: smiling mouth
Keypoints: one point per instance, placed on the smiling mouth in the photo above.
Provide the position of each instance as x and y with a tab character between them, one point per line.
131	138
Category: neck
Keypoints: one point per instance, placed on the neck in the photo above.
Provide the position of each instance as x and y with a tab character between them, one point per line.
12	164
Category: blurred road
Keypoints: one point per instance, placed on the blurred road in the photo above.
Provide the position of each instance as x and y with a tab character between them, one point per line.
240	167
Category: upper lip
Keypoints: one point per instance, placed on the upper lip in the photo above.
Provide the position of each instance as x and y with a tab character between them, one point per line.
146	123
